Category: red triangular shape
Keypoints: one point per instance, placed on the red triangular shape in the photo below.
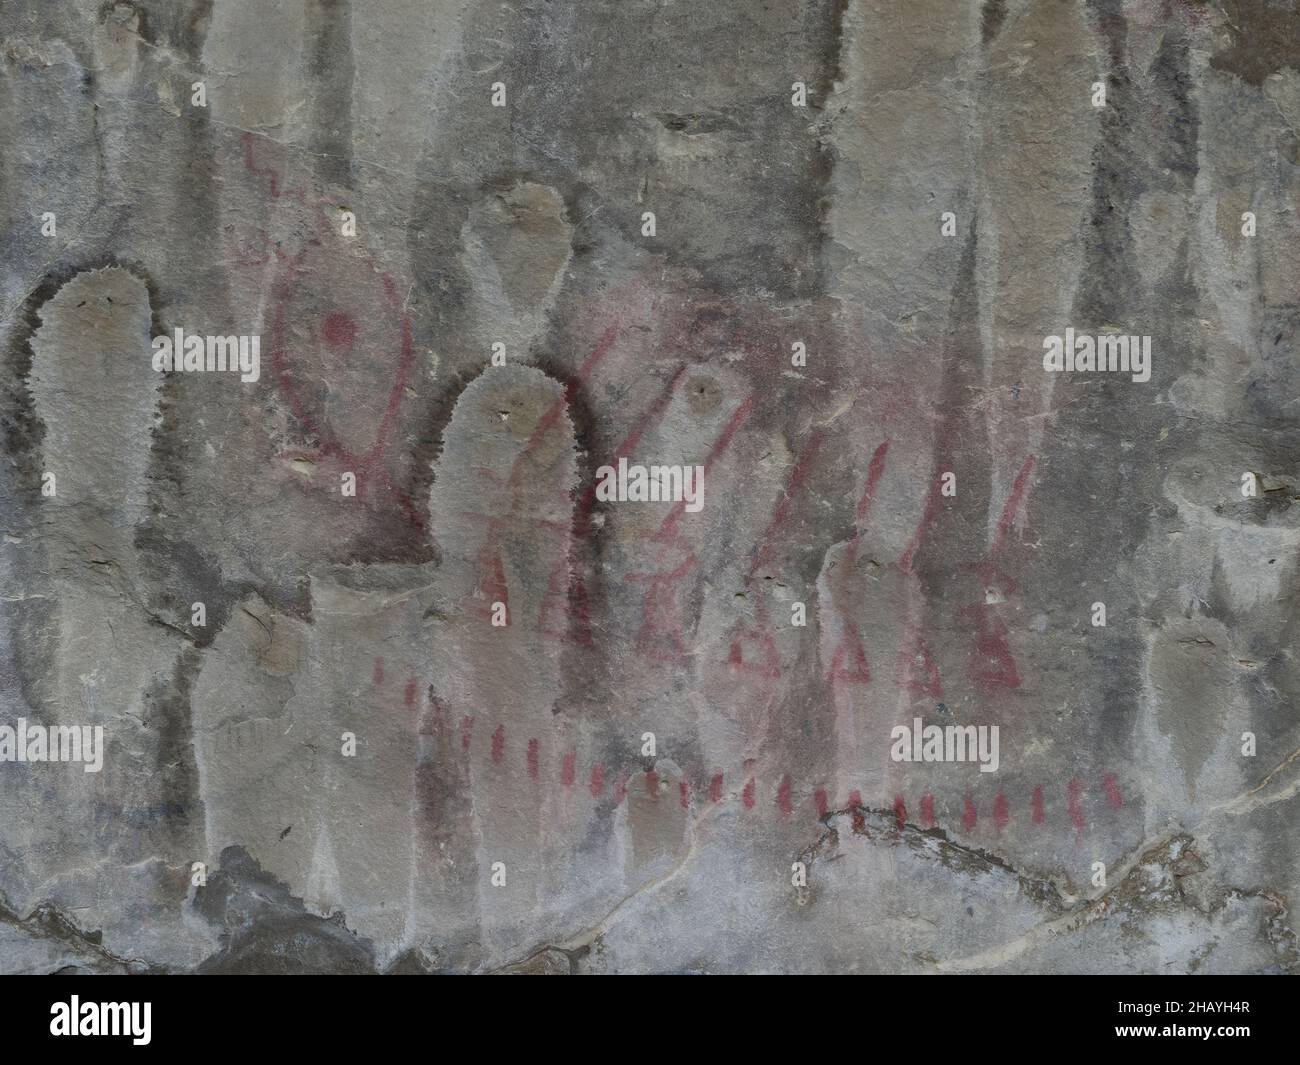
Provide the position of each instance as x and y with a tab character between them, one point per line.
991	661
850	648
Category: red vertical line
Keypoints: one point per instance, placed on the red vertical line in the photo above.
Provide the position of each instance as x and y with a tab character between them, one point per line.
568	771
821	802
927	810
855	804
784	801
620	788
719	446
377	674
1001	812
715	788
1113	795
466	732
900	812
499	744
875	470
1074	794
1038	805
652	784
533	759
747	796
597	780
797	476
970	816
408	697
684	789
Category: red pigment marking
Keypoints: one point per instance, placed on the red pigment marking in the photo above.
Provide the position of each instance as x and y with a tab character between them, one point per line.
719	446
568	771
597	780
932	502
466	732
567	592
900	812
582	518
784	802
556	409
652	783
533	758
1113	796
1012	505
492	576
661	636
747	796
283	289
821	802
620	788
377	674
875	470
715	788
991	662
850	646
1001	811
684	790
1038	805
340	330
412	686
916	670
499	744
661	623
969	816
770	668
1075	805
797	476
855	803
927	810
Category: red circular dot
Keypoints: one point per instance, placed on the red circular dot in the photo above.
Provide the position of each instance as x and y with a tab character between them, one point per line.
340	329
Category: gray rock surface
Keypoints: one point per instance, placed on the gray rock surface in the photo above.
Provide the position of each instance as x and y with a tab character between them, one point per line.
342	764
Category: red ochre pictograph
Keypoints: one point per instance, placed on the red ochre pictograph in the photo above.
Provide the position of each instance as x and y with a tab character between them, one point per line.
781	792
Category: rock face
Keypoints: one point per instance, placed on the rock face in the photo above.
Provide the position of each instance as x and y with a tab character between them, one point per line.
387	681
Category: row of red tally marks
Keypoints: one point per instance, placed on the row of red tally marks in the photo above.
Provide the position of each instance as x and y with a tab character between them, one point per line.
603	780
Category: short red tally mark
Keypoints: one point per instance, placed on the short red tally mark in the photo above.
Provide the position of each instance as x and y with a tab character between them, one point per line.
1001	812
784	801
